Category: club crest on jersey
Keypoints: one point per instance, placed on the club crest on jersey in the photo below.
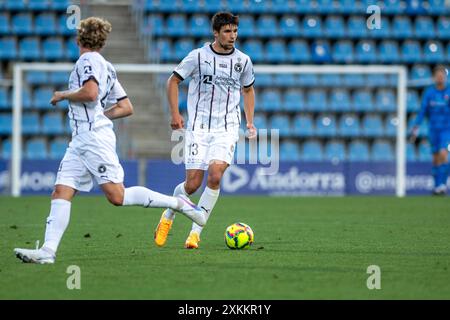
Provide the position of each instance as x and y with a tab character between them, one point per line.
101	169
87	69
238	67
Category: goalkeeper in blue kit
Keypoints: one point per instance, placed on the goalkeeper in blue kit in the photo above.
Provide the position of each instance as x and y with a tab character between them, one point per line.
436	107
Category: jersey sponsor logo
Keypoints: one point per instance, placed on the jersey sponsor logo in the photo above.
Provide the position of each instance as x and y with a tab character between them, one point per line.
238	67
87	69
218	80
223	65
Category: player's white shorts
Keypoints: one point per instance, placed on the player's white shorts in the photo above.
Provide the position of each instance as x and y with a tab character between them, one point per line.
200	148
90	155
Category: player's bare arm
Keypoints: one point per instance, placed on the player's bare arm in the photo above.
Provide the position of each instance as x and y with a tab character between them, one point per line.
121	109
249	109
87	93
177	121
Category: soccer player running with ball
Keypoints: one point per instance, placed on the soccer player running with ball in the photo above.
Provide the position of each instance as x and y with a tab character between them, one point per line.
218	73
93	87
436	107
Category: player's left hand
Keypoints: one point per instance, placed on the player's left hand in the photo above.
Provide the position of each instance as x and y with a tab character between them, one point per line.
251	131
57	96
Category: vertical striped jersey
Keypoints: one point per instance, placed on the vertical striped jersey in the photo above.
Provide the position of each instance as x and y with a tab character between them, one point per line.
85	116
214	88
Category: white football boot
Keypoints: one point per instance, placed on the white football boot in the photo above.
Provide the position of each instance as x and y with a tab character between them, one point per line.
190	210
40	256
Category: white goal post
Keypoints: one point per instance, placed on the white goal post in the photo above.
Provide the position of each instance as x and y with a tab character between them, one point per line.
400	71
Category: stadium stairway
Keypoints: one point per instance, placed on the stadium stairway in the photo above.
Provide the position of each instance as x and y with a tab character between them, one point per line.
148	129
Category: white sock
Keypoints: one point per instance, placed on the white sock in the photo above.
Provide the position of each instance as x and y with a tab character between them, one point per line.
57	222
141	196
179	190
207	202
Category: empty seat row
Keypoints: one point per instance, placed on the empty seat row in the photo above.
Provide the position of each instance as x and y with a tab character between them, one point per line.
37	149
33	49
23	24
396	7
34	5
39	99
268	26
32	124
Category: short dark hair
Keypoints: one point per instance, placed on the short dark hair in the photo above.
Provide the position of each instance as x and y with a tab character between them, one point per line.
440	67
221	19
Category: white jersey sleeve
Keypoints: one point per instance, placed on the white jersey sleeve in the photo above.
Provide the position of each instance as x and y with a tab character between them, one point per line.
87	69
248	74
187	66
116	94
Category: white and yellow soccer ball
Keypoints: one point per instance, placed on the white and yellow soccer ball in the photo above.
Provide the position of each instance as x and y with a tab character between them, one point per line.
239	236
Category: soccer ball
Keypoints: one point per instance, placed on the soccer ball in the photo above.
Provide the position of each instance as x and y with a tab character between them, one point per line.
239	236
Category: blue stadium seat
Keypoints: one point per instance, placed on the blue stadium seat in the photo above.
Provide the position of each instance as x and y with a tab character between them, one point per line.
393	7
354	80
335	151
169	6
30	49
366	52
8	49
254	49
36	149
236	6
45	24
443	28
191	6
312	151
41	98
330	80
52	123
58	148
312	27
214	6
15	5
289	151
385	100
5	123
285	80
377	80
270	100
293	100
298	51
402	28
247	26
411	51
60	5
303	126
412	101
433	52
161	48
36	77
340	100
58	77
303	6
5	99
411	152
390	126
321	52
316	100
362	100
61	27
53	49
424	151
327	6
382	151
5	152
326	126
358	151
72	50
343	52
389	52
182	48
275	51
267	26
356	27
350	7
281	6
30	123
384	31
289	26
308	80
372	126
22	24
424	28
438	7
5	29
176	25
26	98
334	27
39	5
280	122
421	74
415	7
349	126
260	121
199	25
265	80
154	25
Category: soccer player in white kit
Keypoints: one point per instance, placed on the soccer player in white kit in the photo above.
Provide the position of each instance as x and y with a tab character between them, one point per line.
93	86
218	72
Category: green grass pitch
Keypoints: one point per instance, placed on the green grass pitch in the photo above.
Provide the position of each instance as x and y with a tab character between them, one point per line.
305	248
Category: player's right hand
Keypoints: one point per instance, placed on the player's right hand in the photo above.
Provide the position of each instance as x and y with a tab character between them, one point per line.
177	122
